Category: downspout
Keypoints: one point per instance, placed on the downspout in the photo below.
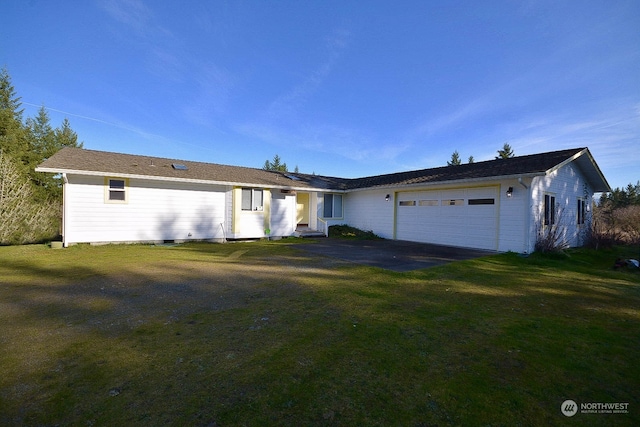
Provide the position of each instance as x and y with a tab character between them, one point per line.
527	216
65	181
522	183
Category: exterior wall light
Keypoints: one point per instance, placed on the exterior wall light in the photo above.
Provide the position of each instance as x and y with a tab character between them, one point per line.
387	197
509	191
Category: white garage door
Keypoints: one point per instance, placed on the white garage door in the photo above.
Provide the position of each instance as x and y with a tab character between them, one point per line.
464	217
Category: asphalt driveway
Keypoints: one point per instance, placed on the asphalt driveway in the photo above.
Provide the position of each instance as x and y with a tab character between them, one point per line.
395	255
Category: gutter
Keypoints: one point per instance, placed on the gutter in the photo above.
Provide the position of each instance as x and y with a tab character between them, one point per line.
522	183
527	215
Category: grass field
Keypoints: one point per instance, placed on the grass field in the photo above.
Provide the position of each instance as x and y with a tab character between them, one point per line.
262	334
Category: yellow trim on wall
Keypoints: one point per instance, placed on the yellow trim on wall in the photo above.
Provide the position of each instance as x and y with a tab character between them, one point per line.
236	209
266	208
303	203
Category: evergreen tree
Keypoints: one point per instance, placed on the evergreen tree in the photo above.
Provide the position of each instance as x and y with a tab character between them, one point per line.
455	159
44	142
506	152
471	160
65	137
13	141
621	197
275	165
41	136
30	201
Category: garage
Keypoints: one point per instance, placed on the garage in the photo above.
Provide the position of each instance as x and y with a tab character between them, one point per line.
466	217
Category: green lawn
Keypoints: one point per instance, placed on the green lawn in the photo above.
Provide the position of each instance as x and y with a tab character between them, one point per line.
263	334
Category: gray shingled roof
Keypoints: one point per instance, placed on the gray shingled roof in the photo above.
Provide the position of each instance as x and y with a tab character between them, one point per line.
71	159
534	164
100	162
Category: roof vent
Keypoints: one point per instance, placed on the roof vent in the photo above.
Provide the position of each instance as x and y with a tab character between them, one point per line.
179	167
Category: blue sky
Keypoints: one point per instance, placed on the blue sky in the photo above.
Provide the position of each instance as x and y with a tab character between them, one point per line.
344	88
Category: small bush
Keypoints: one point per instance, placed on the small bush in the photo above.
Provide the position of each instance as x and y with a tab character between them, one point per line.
347	232
551	238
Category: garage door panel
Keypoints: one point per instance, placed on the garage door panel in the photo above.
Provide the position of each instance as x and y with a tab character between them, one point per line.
461	217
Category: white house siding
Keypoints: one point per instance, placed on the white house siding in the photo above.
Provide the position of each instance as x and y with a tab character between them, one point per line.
248	225
566	184
283	214
154	211
513	223
368	210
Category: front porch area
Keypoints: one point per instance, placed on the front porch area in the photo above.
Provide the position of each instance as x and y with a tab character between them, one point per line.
306	231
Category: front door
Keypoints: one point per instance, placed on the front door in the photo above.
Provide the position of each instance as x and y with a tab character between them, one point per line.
302	209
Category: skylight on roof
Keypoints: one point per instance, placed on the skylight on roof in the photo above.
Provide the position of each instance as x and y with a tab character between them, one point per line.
180	167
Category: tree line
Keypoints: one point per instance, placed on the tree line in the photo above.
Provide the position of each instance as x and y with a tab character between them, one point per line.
616	218
277	165
30	201
622	197
505	152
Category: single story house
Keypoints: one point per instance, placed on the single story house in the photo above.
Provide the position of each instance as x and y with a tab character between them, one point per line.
498	205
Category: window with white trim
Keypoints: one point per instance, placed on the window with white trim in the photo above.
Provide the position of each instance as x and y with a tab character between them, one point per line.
549	209
116	190
252	199
332	206
582	210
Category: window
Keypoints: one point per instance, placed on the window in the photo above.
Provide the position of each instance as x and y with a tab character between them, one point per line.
332	206
582	209
116	191
453	202
407	203
481	201
549	209
428	203
252	199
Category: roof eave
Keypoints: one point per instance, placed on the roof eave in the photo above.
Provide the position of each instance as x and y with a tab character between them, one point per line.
173	179
602	185
451	182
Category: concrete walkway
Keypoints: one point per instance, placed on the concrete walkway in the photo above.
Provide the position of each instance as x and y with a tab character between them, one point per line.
395	255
